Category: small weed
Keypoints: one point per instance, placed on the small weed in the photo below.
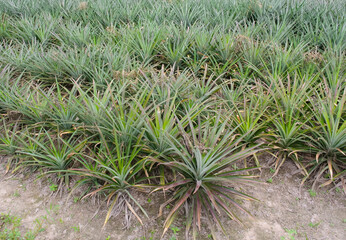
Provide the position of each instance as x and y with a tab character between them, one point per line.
313	225
270	180
53	187
312	193
291	232
272	170
175	229
344	221
53	209
152	235
16	194
39	227
149	200
23	186
10	229
76	229
175	232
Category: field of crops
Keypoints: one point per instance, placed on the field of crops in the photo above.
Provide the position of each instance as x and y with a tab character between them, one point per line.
182	96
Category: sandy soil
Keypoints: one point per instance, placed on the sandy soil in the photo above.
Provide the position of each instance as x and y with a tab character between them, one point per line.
283	213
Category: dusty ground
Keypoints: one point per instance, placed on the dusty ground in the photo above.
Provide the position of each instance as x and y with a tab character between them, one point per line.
282	213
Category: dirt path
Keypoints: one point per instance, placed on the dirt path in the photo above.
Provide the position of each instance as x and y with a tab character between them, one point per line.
283	213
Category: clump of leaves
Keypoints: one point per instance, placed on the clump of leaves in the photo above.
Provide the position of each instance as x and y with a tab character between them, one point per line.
202	160
9	142
53	153
117	167
10	229
328	139
288	134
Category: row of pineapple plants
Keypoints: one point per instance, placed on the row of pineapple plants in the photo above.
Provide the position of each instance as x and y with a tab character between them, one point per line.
179	134
184	97
106	39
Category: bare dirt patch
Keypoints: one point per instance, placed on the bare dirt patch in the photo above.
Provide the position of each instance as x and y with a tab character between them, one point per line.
282	213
